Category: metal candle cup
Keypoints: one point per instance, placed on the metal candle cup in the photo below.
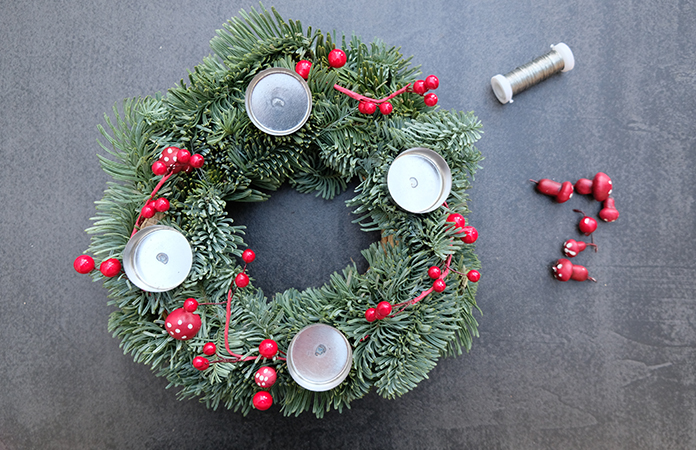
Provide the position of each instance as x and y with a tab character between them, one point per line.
157	258
278	101
419	180
319	357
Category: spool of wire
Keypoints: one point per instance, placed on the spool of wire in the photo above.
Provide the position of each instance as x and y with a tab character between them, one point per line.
559	59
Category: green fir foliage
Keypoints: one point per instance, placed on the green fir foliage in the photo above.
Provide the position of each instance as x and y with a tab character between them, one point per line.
206	115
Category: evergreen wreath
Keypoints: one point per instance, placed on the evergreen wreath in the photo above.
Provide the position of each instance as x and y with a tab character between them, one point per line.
243	164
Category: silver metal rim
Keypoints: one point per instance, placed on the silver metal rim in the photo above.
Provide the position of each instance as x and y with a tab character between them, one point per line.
439	162
250	89
312	385
129	253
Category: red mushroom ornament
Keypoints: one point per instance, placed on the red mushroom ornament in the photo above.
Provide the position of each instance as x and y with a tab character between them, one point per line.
561	191
182	324
600	187
564	270
609	213
265	377
571	247
587	224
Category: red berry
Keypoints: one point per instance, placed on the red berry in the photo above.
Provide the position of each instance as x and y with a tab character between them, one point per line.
430	99
432	82
147	211
84	264
470	235
241	280
265	377
371	315
386	108
201	363
434	272
366	107
473	276
419	87
183	157
337	58
159	168
196	161
161	204
262	400
248	256
210	348
110	268
439	285
268	348
458	220
302	68
384	309
190	304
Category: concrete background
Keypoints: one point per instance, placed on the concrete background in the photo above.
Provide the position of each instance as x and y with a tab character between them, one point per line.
610	365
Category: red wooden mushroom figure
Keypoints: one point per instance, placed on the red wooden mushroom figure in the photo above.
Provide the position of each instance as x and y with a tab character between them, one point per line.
564	270
600	187
560	191
571	247
182	324
609	213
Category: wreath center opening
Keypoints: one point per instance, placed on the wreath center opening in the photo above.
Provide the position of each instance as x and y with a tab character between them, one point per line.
300	239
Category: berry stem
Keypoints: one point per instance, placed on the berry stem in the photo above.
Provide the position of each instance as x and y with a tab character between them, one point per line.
154	192
228	310
359	97
404	305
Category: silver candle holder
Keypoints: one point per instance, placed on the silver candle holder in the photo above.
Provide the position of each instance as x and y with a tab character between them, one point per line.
157	258
419	180
319	357
278	101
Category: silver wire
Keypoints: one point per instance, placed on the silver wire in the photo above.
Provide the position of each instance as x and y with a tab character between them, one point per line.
535	71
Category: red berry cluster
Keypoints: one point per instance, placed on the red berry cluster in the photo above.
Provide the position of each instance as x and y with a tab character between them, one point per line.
242	279
382	311
337	58
154	206
268	348
430	83
600	188
470	235
439	284
174	160
85	264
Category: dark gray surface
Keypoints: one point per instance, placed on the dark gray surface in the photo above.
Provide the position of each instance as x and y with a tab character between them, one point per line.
558	365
